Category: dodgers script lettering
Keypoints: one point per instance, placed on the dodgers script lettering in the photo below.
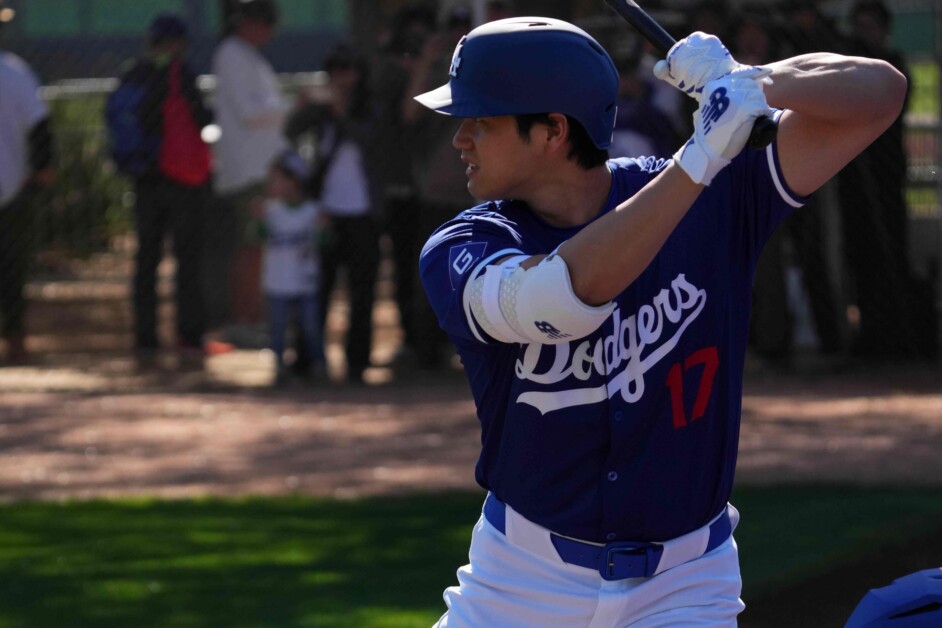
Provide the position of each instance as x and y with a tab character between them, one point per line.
671	312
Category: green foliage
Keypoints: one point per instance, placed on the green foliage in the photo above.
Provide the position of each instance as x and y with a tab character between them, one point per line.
89	202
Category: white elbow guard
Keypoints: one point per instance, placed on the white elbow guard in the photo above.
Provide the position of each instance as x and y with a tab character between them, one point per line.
536	305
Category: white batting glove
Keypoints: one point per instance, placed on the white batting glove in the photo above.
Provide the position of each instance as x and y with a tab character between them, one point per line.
694	61
728	108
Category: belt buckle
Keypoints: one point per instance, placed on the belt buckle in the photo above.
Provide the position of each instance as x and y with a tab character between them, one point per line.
630	560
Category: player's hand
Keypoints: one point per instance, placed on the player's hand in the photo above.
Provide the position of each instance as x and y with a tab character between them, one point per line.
694	61
728	108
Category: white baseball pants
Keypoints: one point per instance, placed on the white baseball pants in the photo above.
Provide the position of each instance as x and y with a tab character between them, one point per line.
507	586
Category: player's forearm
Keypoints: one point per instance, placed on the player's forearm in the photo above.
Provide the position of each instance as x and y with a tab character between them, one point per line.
836	88
609	254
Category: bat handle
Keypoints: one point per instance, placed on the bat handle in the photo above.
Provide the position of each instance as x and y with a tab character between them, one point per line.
764	131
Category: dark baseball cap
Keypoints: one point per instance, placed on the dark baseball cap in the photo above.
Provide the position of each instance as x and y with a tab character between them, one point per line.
165	27
259	10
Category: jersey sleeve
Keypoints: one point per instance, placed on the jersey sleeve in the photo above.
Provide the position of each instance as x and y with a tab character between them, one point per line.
760	193
455	255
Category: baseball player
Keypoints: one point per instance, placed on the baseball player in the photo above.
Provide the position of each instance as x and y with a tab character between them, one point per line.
600	308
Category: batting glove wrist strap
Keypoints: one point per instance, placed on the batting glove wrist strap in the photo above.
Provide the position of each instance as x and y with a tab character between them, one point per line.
693	62
728	108
700	164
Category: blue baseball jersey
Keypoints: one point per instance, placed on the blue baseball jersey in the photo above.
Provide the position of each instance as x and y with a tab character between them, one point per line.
630	433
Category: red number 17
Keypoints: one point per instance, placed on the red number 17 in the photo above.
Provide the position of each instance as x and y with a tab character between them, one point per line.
710	360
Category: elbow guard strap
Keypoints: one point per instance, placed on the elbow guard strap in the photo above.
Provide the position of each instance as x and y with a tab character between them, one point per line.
536	305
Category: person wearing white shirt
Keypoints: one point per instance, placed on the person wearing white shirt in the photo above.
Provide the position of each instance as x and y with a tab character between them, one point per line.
345	184
26	152
291	261
250	111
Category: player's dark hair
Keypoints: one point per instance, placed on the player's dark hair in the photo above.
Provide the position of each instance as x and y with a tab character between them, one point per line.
585	153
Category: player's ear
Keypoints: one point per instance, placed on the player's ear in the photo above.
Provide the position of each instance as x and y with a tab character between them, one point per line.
557	131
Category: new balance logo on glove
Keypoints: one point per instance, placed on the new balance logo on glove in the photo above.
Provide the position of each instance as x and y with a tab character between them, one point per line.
719	103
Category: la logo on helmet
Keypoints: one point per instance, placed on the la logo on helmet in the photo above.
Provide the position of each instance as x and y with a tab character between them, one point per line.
456	58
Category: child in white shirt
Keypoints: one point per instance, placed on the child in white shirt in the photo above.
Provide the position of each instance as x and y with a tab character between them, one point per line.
290	263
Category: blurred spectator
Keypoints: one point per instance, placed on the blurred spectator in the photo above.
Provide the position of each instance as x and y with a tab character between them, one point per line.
393	136
251	113
807	29
711	16
291	262
771	324
671	102
640	127
798	246
707	16
875	222
345	185
751	41
26	155
171	182
442	185
498	10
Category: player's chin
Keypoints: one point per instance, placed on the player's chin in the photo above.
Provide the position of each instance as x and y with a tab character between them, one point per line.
482	192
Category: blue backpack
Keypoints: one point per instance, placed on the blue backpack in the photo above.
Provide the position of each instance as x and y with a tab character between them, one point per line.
134	149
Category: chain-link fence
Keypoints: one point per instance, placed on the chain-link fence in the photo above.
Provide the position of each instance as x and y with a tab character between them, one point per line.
169	252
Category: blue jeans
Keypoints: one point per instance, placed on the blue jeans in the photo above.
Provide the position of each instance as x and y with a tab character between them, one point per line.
308	317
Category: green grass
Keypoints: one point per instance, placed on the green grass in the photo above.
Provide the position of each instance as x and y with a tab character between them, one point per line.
375	563
790	533
255	562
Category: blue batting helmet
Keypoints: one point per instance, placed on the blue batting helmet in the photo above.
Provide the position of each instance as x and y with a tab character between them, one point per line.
913	601
527	65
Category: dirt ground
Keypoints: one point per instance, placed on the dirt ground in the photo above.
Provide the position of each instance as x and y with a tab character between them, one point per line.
87	419
99	424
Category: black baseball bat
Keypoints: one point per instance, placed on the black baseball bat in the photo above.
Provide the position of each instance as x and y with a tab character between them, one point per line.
764	129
